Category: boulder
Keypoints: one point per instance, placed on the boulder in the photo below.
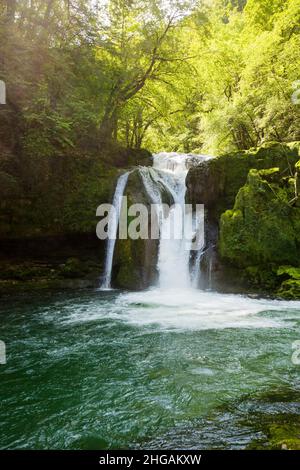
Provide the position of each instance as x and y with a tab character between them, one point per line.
135	261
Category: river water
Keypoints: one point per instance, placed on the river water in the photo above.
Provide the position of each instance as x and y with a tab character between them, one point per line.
176	369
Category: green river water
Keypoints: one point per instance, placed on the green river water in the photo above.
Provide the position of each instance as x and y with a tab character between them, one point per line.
156	369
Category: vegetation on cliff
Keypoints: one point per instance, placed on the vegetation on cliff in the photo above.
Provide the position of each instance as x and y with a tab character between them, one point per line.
252	216
261	232
216	182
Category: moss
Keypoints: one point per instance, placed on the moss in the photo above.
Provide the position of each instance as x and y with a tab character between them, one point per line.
73	268
284	436
217	181
8	286
250	196
33	274
280	435
289	271
23	272
128	277
290	290
135	260
294	146
262	233
260	228
289	277
262	277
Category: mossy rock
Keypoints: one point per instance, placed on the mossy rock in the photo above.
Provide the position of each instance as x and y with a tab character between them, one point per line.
290	290
126	262
284	436
261	228
289	271
134	264
216	182
262	277
26	271
8	286
73	268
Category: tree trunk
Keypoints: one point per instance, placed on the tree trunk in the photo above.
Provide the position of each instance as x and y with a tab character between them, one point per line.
109	125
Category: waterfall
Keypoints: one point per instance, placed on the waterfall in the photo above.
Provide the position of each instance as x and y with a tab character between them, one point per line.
113	229
177	268
174	252
196	271
210	273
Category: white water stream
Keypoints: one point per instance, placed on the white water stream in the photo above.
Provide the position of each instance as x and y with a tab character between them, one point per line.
113	229
177	227
174	251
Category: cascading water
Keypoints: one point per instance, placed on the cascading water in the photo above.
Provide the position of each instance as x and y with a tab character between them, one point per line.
174	252
113	229
176	227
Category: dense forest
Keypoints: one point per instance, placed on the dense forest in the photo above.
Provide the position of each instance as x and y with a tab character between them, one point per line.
205	76
90	84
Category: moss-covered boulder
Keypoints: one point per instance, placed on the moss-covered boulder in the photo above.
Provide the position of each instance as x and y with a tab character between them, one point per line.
289	290
261	234
135	260
216	182
284	436
261	228
289	277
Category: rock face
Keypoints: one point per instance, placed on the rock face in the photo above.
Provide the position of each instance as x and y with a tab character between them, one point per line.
45	220
253	200
50	262
263	226
262	231
216	182
134	265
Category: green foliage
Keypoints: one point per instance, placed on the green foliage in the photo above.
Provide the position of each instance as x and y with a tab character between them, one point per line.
239	81
289	277
289	290
190	76
261	277
83	79
260	228
289	271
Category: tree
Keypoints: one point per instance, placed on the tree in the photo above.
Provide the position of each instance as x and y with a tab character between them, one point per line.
138	46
